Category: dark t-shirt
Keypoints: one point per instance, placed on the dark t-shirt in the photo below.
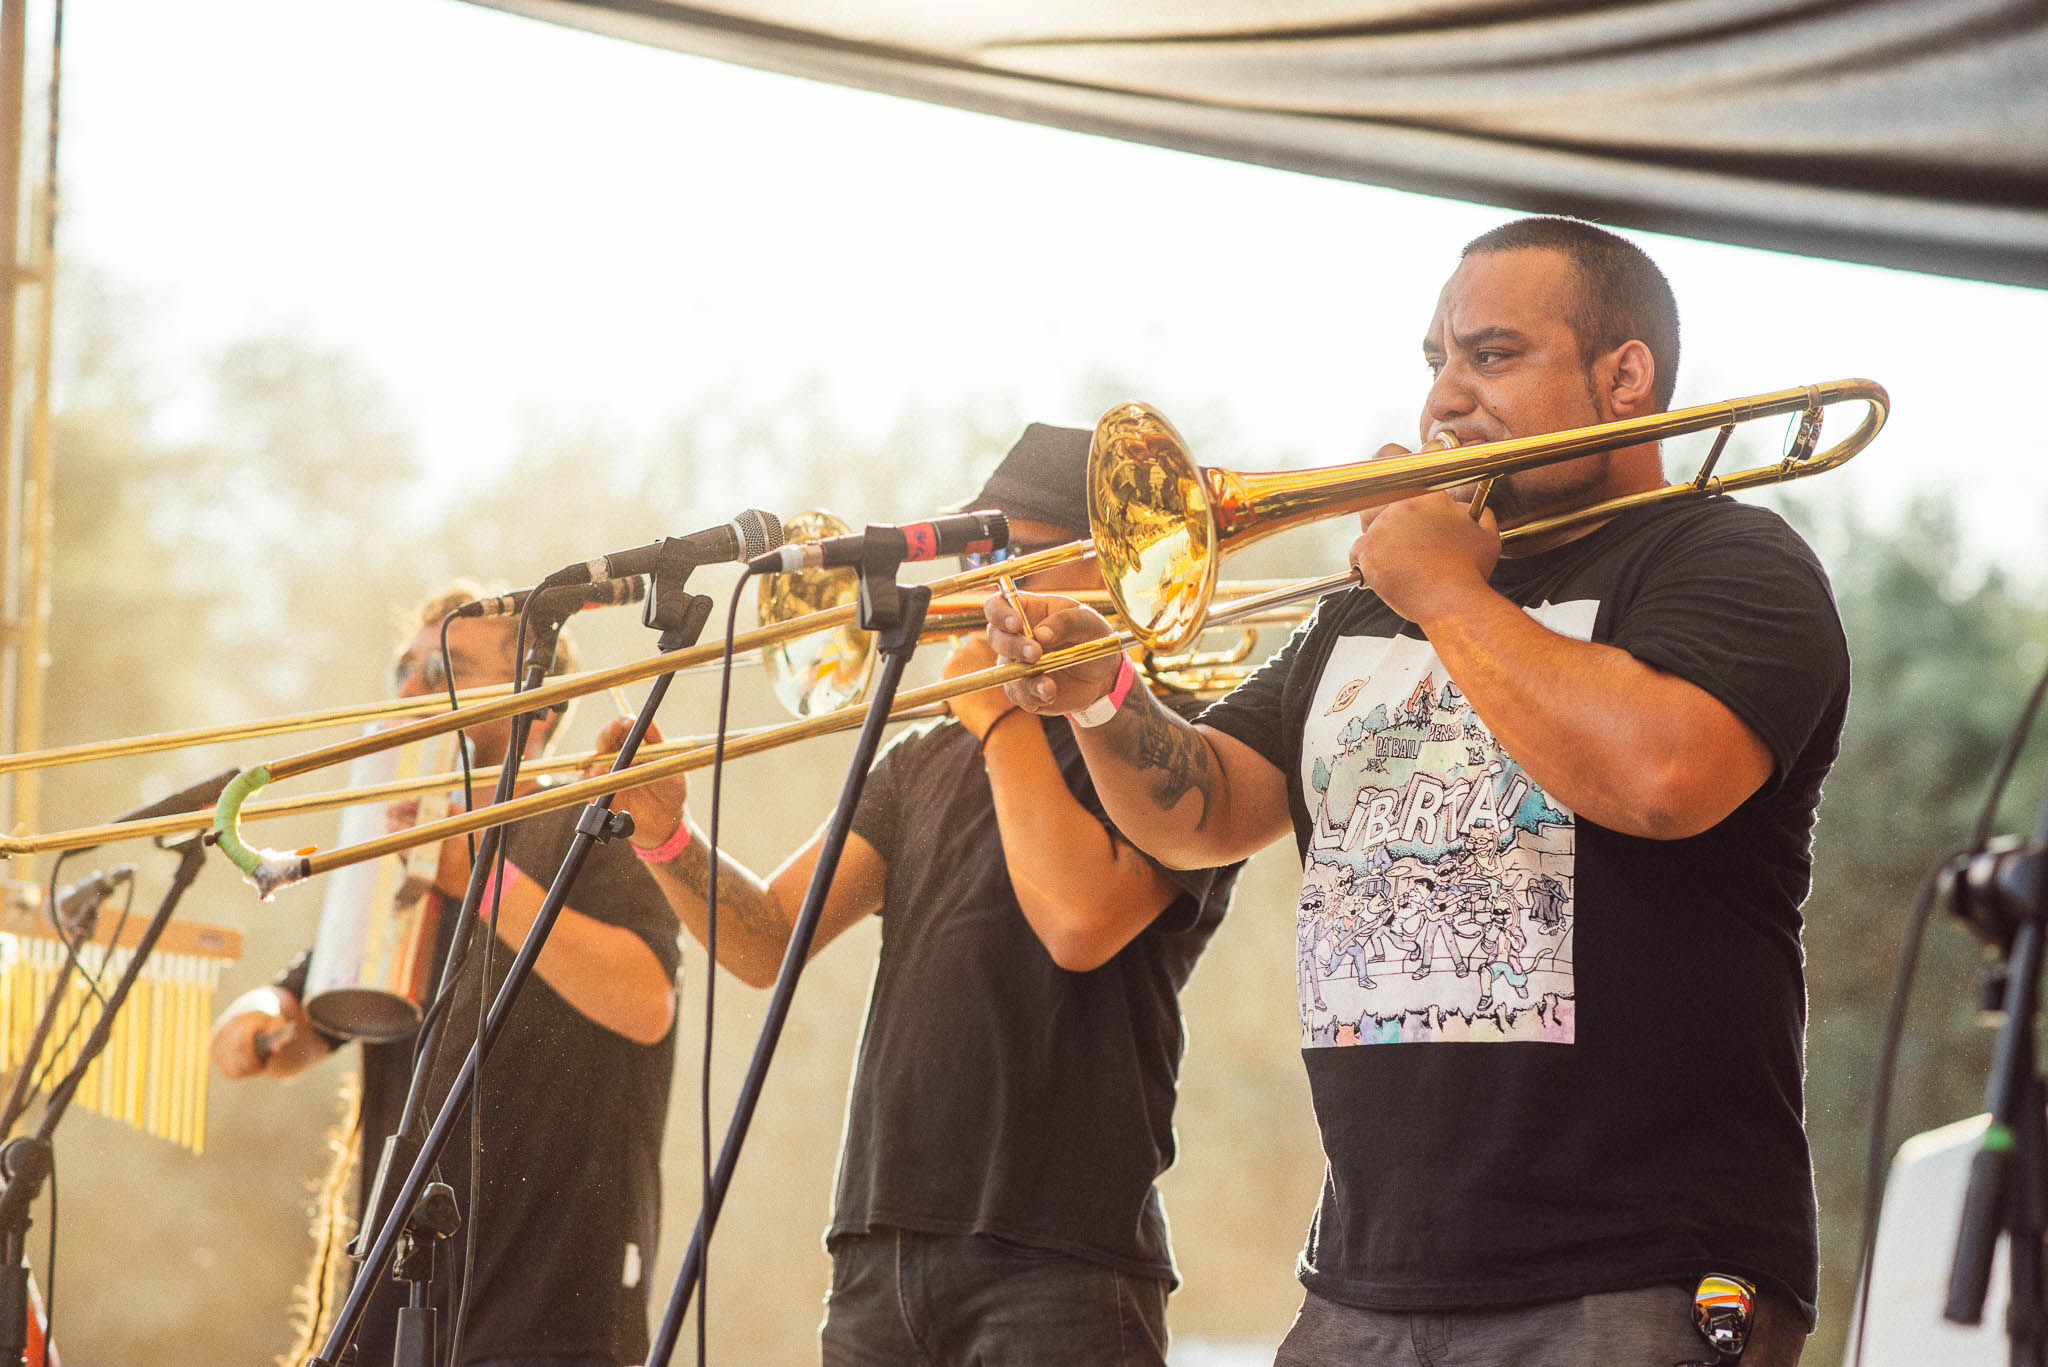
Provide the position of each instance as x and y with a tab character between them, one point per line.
995	1092
572	1124
1549	1059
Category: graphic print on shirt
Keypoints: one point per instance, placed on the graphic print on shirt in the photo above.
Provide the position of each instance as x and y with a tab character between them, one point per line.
1436	898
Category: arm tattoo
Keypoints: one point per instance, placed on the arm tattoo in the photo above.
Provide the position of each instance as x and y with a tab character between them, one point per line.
748	906
1171	752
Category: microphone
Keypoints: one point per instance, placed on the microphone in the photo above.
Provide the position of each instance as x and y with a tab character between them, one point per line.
560	597
954	534
77	904
743	538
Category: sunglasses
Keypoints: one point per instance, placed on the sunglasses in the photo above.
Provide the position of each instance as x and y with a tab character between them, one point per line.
974	560
433	673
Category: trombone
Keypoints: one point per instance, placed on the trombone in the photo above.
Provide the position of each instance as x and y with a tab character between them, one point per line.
1162	525
804	695
1159	526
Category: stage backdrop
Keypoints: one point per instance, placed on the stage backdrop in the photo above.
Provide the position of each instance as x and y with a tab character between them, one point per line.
1908	133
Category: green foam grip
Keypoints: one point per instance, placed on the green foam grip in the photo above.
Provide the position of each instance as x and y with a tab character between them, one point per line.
227	818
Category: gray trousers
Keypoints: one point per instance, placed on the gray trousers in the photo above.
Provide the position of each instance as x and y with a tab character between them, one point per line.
1650	1327
901	1299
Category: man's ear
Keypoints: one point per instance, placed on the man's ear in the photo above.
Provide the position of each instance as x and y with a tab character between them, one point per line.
1629	374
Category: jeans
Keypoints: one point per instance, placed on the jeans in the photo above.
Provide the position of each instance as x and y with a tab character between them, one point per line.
900	1298
1650	1327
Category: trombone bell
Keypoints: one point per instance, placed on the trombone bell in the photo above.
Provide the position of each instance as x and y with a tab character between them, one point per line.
820	671
1155	534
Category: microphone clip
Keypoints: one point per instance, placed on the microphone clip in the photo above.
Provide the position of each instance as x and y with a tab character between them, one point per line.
1999	888
878	604
672	610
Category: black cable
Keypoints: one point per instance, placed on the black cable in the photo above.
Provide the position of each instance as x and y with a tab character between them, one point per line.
50	1268
427	1033
91	981
458	948
1902	985
1981	836
460	1288
458	1283
711	954
1880	1111
21	1094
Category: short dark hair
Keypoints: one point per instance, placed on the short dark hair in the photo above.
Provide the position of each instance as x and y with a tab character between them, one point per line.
1622	296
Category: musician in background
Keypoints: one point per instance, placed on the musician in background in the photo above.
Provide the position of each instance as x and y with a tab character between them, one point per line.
1013	1097
575	1093
1589	769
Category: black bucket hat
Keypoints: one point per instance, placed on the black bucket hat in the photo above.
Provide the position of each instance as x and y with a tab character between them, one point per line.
1044	478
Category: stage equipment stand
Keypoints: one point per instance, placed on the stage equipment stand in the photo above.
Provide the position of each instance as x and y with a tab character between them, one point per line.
2003	895
433	1221
895	613
680	617
26	1163
189	799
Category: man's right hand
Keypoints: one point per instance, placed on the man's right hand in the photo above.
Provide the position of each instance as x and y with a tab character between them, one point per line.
265	1032
1056	622
656	807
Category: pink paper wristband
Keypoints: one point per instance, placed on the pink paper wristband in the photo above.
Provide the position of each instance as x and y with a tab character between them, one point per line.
669	848
1104	707
494	886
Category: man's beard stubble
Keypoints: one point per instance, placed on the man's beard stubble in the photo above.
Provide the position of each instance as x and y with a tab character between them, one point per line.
1514	501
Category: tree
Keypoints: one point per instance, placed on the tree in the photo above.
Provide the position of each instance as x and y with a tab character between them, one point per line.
1942	660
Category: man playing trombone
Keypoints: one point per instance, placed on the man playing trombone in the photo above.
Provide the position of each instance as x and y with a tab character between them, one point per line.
1012	1101
1576	785
575	1096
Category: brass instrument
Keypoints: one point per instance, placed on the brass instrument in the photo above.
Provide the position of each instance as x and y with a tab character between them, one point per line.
1159	526
817	671
249	730
183	823
1190	673
1159	523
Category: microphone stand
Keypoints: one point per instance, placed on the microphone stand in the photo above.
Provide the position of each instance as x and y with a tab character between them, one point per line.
26	1162
2003	895
895	613
53	1005
400	1148
681	616
188	799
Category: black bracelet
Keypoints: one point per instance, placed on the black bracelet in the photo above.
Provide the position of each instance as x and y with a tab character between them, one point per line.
981	741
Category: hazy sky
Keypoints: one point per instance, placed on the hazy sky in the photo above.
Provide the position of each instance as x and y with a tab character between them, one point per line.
510	222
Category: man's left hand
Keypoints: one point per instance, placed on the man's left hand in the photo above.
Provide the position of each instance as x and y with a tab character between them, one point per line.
1424	555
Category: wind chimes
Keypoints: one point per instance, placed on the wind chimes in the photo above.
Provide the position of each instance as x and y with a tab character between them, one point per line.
153	1073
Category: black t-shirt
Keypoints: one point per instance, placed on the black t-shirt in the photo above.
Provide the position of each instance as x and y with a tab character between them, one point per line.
995	1092
572	1126
1586	1049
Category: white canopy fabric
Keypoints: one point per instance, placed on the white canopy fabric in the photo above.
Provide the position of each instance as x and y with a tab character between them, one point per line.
1907	133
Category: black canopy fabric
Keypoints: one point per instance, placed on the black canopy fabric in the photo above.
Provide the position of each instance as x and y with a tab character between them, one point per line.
1908	133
